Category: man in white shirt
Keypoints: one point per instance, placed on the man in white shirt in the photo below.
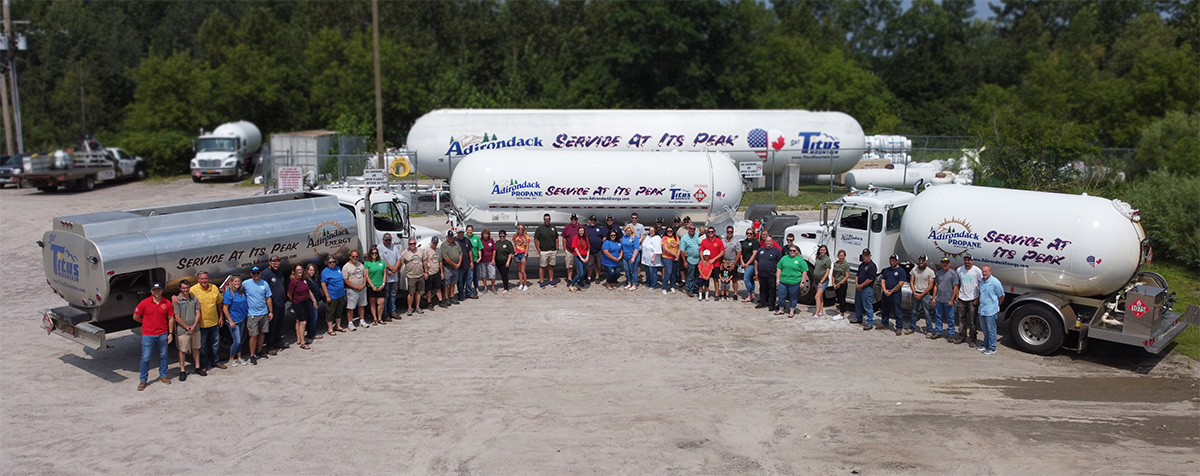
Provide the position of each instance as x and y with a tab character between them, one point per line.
391	258
967	309
652	257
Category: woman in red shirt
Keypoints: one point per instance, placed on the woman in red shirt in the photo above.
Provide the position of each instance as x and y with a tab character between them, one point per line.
579	248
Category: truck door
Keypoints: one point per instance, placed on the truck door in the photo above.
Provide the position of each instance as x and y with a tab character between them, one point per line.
386	217
853	232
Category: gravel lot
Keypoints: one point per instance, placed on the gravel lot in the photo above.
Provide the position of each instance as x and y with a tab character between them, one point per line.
550	382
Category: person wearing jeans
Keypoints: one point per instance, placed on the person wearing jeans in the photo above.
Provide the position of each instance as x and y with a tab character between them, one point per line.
651	256
237	308
154	314
864	294
580	252
920	281
208	299
791	273
391	258
991	295
946	283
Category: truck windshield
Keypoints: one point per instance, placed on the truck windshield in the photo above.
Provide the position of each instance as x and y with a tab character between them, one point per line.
217	145
388	217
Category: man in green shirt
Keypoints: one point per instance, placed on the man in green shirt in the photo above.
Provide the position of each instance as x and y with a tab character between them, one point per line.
476	247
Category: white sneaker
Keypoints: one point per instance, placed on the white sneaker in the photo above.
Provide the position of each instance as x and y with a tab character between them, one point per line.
350	325
245	361
664	292
233	362
838	317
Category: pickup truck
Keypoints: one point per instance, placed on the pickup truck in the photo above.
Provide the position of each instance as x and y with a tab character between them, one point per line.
80	168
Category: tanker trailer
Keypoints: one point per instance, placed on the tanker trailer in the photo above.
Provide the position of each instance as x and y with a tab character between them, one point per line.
1070	264
510	186
102	264
818	142
229	151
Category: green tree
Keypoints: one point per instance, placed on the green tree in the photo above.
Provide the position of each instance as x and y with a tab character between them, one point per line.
1170	144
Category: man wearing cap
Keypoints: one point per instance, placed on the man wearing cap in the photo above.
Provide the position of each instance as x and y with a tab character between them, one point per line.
546	238
596	234
333	285
390	254
278	281
569	233
946	284
186	326
731	247
991	295
747	259
689	247
209	297
354	274
154	314
433	264
893	281
466	268
258	301
920	280
767	265
416	273
712	249
864	292
451	261
472	246
967	309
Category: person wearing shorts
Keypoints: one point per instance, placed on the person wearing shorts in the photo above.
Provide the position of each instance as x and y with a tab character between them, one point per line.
187	327
334	286
258	298
355	276
486	266
521	248
433	264
416	273
547	244
451	260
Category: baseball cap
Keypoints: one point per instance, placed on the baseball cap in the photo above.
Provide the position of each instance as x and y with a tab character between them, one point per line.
658	220
866	252
967	256
945	259
156	286
449	232
434	239
574	216
895	257
608	218
255	269
592	218
922	257
706	253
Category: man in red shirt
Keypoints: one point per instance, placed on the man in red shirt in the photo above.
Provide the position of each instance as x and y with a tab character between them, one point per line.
154	313
711	250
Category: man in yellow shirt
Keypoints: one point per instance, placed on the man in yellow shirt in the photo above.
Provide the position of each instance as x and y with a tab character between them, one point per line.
208	296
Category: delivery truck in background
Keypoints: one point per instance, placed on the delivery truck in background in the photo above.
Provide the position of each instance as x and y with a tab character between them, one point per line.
1071	265
229	151
102	264
79	168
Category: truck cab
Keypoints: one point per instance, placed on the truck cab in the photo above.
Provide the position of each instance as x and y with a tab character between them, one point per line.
862	219
126	166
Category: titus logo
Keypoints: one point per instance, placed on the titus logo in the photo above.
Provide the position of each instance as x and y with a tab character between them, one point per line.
466	144
817	144
66	265
954	237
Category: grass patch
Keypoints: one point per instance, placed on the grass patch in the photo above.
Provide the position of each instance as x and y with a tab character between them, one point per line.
810	197
1187	292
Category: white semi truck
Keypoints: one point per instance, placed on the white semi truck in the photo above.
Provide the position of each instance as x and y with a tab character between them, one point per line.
231	150
102	264
1070	264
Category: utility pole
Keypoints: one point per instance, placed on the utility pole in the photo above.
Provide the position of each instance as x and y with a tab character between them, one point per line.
378	86
8	131
12	42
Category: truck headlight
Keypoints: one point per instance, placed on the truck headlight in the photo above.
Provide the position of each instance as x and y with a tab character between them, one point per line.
228	163
194	164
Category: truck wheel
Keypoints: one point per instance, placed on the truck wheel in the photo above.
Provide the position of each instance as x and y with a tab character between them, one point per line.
808	294
85	184
1036	330
140	174
195	179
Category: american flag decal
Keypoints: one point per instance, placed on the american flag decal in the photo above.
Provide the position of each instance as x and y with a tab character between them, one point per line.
757	140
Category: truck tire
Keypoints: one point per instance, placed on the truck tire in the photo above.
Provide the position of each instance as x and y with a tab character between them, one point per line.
1035	329
140	173
85	184
808	294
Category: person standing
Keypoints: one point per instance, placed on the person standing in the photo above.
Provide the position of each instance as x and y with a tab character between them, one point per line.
991	296
841	274
466	272
946	282
521	251
967	309
746	261
475	246
547	244
354	275
580	250
712	250
237	308
630	248
304	303
278	281
792	274
416	273
391	257
504	257
487	261
767	257
333	283
920	280
569	232
208	297
670	258
864	291
651	254
451	262
731	247
596	235
893	281
186	325
611	250
258	303
154	314
822	275
377	271
639	230
313	279
433	264
689	246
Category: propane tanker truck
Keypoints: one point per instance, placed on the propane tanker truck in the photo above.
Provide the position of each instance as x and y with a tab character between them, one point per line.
231	150
1070	264
102	264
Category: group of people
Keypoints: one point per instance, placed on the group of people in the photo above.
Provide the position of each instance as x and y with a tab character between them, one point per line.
363	292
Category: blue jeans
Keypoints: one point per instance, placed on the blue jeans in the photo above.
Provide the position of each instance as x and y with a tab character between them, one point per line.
891	309
210	344
693	277
611	273
945	313
465	276
925	305
580	272
864	305
235	332
669	274
988	324
748	277
389	291
651	276
788	294
631	273
151	344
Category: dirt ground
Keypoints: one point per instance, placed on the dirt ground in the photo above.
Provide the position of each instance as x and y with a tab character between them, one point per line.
550	382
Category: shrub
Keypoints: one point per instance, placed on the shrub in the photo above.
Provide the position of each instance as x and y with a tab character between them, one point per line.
166	152
1170	214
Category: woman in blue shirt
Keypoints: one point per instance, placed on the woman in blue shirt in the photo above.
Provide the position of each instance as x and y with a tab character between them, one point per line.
236	308
630	251
610	258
